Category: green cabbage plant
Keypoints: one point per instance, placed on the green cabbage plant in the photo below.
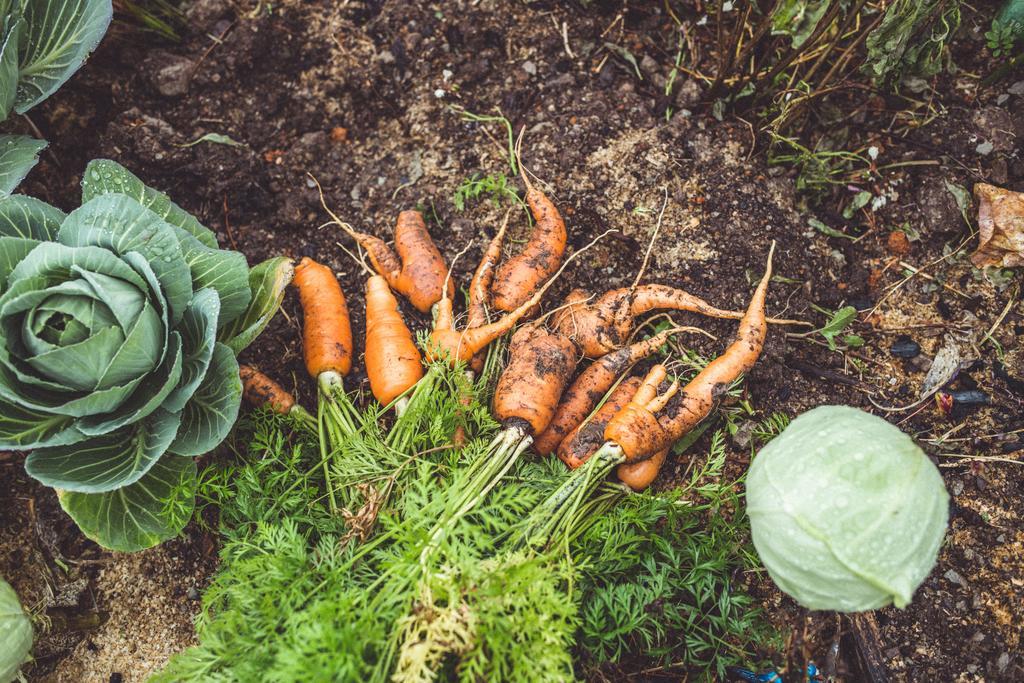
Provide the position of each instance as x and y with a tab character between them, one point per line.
15	633
42	43
847	513
119	327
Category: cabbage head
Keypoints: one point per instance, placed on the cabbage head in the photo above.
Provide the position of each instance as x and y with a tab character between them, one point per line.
847	513
119	327
15	633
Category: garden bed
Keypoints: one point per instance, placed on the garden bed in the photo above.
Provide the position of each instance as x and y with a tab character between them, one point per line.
362	96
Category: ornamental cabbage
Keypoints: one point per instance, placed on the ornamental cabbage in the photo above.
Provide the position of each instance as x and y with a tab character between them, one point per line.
119	327
15	633
847	513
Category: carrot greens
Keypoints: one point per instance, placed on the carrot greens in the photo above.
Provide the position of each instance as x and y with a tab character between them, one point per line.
436	568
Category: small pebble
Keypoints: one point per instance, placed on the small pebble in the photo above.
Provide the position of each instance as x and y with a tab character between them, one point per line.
953	577
905	347
530	68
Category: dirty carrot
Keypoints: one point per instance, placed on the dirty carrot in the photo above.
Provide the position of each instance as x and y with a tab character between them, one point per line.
518	277
454	346
638	433
480	287
259	390
591	385
637	422
605	324
540	365
326	332
586	437
393	363
418	271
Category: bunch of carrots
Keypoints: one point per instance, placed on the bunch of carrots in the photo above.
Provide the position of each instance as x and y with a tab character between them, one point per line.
541	400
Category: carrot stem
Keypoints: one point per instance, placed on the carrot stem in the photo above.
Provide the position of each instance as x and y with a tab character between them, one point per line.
485	473
554	517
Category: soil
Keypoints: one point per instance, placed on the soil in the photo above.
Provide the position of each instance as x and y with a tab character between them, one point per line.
361	96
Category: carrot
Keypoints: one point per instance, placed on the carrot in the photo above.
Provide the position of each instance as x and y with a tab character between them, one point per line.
418	271
479	286
479	289
326	332
455	346
260	390
591	385
462	346
605	325
585	438
393	363
602	326
540	365
639	433
519	276
638	475
327	347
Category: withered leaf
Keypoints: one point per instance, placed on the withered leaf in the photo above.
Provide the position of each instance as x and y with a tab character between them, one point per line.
1000	227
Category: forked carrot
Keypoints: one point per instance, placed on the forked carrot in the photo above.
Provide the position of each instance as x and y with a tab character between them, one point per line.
639	433
586	437
540	365
605	324
393	363
601	326
518	277
418	271
326	331
591	385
